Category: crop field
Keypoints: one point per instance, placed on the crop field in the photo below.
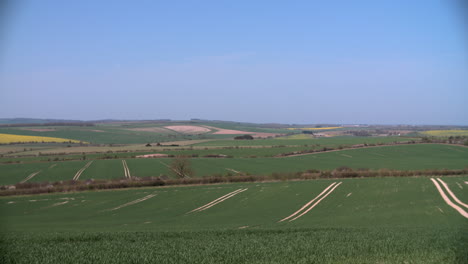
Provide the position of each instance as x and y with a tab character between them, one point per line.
390	220
400	157
445	133
133	133
315	128
329	142
11	138
363	220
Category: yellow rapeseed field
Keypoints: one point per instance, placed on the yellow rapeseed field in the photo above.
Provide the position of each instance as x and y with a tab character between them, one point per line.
10	138
313	128
446	133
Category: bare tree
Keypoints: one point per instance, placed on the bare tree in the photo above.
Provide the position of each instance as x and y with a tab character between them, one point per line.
181	166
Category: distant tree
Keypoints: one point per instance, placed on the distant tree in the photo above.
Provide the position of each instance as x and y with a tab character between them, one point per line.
148	145
181	167
244	137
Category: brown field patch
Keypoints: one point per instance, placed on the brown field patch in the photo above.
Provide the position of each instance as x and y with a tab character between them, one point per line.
239	132
156	155
150	129
189	129
39	129
222	131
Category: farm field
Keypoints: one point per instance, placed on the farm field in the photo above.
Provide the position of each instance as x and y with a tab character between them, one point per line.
445	133
386	220
399	157
330	142
12	138
364	220
260	148
136	133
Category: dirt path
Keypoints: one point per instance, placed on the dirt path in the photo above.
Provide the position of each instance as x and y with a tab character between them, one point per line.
133	202
218	200
78	174
307	204
30	176
452	194
126	170
447	200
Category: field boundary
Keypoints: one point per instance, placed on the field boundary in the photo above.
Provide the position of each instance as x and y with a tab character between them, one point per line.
448	201
124	183
78	173
365	147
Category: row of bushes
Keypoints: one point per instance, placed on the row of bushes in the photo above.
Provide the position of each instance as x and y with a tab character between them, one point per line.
342	172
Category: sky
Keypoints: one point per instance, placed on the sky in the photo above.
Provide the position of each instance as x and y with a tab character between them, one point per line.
293	62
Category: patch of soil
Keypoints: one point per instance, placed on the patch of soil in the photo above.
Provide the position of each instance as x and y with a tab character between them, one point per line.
189	129
156	155
150	129
39	129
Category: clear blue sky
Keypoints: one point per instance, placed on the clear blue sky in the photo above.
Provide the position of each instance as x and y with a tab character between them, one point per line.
385	62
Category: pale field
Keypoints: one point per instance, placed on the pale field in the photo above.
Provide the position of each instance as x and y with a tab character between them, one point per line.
314	128
446	133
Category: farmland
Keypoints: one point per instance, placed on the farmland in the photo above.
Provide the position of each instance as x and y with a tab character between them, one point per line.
325	220
11	138
363	220
400	157
446	133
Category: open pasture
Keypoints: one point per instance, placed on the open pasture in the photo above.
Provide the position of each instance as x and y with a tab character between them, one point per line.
367	220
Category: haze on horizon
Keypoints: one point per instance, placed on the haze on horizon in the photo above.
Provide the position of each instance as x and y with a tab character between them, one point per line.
373	62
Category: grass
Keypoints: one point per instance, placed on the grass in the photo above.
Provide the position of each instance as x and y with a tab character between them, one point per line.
391	220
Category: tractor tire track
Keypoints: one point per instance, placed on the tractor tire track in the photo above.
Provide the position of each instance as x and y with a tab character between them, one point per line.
322	196
78	174
133	202
126	169
447	200
30	176
452	194
310	208
307	204
218	200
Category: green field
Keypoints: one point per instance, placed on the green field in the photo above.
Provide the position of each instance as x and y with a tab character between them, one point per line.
390	220
329	142
400	157
133	133
363	220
